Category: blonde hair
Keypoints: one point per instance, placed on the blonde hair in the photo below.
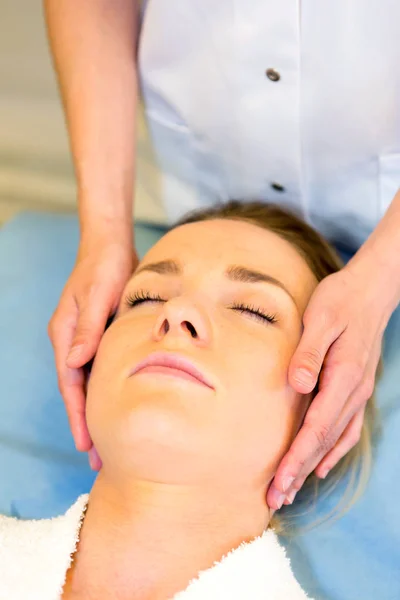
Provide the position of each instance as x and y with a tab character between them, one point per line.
323	261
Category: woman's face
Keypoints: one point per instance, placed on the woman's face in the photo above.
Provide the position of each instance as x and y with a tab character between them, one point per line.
228	297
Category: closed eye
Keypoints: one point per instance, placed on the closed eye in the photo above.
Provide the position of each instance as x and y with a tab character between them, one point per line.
255	312
141	296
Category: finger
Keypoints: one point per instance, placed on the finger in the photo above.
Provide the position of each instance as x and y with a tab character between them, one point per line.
62	325
319	431
353	406
291	495
72	387
349	438
70	381
351	435
296	487
320	332
291	483
345	433
92	318
284	488
275	498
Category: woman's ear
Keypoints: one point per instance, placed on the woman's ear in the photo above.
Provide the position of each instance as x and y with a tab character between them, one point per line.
271	511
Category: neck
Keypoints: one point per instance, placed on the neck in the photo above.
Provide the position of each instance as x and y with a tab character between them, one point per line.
147	540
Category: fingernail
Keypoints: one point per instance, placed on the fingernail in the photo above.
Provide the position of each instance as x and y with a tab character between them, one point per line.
324	473
75	352
292	496
287	482
91	457
280	500
94	459
304	377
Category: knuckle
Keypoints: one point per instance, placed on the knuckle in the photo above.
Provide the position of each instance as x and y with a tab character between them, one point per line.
50	329
356	373
91	291
296	461
358	403
367	388
323	435
353	374
353	438
54	323
312	359
82	336
328	315
301	463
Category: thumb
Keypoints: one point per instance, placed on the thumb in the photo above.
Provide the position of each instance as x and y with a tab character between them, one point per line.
309	356
89	330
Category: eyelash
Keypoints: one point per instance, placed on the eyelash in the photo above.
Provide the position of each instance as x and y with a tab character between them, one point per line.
255	312
141	296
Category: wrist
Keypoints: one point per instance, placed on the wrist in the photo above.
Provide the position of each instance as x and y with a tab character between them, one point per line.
105	219
102	233
379	256
380	272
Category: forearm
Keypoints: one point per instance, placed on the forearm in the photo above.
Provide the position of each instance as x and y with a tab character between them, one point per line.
380	254
93	44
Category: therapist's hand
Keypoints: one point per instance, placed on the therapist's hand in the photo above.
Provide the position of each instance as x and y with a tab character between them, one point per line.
341	344
91	295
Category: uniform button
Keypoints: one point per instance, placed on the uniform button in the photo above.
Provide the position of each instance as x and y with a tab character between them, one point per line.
277	187
272	75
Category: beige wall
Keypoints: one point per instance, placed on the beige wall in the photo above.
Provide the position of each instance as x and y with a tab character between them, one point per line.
35	166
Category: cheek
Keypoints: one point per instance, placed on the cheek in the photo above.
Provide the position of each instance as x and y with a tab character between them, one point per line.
117	352
122	345
110	365
100	389
264	411
260	359
259	428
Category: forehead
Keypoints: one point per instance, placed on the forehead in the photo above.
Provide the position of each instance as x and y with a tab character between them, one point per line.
211	246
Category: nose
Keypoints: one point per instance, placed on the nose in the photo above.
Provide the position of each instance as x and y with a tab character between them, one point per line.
184	319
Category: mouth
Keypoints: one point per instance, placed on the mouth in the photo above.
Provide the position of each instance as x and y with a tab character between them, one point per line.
172	365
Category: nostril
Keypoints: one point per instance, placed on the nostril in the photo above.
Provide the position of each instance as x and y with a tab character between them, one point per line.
191	329
166	326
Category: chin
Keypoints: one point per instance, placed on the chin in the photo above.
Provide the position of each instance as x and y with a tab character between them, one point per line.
159	451
157	440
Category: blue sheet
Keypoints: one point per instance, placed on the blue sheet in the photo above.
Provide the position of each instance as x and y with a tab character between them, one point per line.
41	474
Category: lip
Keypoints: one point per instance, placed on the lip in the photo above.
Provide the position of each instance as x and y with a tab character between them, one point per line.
176	363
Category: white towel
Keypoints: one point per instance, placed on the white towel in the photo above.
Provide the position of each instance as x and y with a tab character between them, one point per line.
35	557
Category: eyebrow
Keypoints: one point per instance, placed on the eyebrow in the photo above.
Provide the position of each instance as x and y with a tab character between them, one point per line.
163	267
245	275
233	272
